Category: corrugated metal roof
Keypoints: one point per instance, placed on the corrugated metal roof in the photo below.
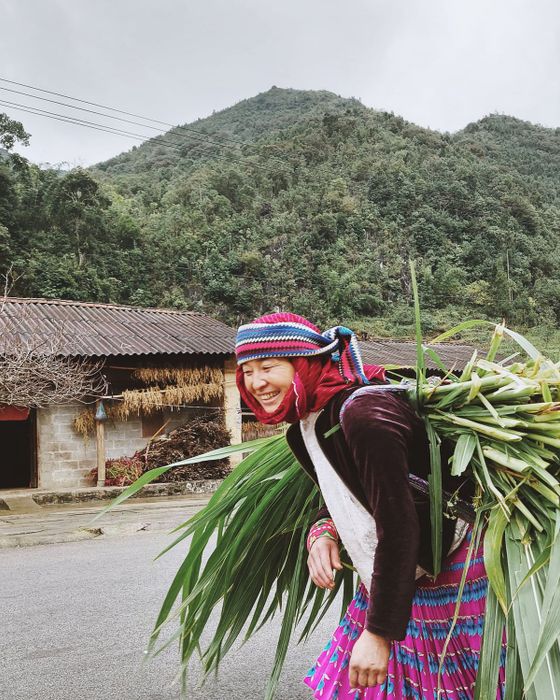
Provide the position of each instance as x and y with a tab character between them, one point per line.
403	353
88	329
91	329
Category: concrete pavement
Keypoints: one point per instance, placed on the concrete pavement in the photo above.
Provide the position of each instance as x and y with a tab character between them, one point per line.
58	523
76	618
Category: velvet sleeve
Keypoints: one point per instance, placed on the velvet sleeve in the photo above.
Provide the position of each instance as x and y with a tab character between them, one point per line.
378	429
322	513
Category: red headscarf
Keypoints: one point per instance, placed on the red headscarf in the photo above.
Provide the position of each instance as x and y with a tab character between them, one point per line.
316	381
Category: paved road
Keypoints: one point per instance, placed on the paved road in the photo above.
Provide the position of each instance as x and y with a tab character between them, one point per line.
76	616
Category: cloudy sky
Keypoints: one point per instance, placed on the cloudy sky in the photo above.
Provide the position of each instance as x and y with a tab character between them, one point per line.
438	63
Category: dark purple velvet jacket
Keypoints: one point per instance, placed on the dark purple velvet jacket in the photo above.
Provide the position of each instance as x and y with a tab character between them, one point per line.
380	442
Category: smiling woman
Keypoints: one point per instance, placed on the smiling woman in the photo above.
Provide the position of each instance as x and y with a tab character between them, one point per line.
360	440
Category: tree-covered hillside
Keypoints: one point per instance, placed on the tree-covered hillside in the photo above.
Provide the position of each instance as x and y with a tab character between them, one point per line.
314	203
246	122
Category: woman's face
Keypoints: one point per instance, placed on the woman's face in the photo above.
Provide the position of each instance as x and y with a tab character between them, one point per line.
268	380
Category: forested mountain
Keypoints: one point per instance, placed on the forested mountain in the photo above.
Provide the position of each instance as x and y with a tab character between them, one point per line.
303	201
244	123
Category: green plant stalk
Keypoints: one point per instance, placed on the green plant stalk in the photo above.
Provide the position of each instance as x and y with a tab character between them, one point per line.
436	496
496	433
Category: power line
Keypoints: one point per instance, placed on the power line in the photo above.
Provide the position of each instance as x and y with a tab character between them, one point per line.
98	127
79	122
113	130
69	120
102	114
120	111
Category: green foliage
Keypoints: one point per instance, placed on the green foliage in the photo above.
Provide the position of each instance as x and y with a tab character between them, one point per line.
11	132
316	206
260	515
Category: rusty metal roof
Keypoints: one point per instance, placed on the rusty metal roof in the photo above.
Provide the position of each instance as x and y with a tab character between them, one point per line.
73	328
403	353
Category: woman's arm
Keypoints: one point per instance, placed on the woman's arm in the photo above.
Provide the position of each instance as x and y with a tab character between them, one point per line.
324	554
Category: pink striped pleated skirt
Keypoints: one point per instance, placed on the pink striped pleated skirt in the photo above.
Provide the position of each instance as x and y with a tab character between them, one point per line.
414	662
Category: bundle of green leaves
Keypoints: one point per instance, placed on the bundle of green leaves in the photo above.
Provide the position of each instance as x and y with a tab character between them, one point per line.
254	529
504	419
506	429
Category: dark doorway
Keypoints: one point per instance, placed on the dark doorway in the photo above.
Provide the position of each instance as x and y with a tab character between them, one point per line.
17	453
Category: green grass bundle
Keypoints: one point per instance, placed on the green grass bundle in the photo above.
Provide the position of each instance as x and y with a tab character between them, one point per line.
255	528
504	420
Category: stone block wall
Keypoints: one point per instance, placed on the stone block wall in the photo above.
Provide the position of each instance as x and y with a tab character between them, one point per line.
65	458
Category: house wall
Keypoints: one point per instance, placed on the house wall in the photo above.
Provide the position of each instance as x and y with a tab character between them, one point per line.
64	458
232	407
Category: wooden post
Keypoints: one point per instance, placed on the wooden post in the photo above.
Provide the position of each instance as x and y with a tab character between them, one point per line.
100	444
232	408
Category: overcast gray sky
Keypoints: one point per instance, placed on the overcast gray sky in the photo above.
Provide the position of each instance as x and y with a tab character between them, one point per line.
438	63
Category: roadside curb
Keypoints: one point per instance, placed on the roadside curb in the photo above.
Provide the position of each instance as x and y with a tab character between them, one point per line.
32	539
106	493
62	523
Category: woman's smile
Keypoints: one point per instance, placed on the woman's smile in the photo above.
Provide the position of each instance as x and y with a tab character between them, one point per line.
269	396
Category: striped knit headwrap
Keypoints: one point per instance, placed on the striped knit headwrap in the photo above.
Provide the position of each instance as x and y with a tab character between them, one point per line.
299	338
324	363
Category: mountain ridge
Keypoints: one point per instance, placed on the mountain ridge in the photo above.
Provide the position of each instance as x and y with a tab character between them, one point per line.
318	212
253	121
230	124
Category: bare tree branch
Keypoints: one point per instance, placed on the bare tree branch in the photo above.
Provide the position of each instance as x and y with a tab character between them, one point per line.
34	373
37	380
9	280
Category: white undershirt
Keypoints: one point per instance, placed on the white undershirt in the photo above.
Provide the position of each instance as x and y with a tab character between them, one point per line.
355	525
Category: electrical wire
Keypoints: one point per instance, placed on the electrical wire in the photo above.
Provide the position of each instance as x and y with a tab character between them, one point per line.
74	120
114	130
189	130
102	114
112	109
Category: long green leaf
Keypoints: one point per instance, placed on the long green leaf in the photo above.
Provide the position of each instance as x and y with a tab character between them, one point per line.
514	676
462	455
459	328
489	667
527	611
493	549
527	346
436	496
550	625
448	374
152	474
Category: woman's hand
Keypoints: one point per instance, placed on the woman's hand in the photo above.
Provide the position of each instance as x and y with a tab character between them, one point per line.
369	660
323	558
